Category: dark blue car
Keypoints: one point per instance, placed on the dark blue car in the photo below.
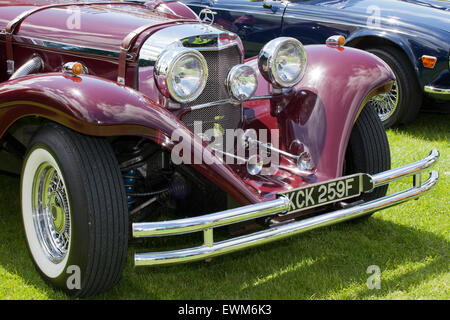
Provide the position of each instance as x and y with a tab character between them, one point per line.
412	36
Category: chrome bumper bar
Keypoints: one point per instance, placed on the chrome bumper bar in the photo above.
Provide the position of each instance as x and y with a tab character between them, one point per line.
281	205
442	93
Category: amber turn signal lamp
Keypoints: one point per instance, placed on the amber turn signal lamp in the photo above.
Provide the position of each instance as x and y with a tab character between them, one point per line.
429	61
77	69
337	41
74	68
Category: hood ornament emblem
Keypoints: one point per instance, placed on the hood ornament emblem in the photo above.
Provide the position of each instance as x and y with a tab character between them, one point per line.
207	16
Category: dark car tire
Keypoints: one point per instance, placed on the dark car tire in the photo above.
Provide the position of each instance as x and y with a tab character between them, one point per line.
409	93
368	151
73	183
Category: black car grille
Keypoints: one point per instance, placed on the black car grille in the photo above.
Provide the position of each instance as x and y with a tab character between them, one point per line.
220	117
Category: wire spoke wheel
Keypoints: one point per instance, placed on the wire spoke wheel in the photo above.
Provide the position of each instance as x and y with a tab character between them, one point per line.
385	104
402	103
51	213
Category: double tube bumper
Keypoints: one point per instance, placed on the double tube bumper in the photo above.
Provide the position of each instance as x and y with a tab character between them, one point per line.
207	223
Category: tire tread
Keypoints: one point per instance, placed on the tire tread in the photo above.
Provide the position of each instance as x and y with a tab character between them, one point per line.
368	150
106	206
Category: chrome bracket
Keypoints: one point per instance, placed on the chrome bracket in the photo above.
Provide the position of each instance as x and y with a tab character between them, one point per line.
121	80
417	180
10	67
208	235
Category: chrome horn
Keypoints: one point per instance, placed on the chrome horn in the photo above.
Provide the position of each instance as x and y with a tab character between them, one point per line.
304	160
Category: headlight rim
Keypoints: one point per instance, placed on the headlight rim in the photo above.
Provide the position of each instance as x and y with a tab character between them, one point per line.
231	75
163	72
268	55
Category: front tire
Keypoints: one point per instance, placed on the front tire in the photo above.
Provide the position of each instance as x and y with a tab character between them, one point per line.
402	104
74	211
368	151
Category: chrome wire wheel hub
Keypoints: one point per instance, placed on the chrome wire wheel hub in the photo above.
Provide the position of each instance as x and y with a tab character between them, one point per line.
51	213
385	104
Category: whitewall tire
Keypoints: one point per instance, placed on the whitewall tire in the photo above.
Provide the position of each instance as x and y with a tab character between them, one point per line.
74	211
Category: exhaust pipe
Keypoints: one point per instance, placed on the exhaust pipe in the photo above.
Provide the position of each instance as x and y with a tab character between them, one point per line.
34	65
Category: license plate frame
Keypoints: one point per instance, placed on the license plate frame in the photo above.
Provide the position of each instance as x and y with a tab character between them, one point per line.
318	194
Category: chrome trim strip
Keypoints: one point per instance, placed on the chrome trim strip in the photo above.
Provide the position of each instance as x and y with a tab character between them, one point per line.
260	97
220	47
434	90
272	148
226	101
292	170
179	36
68	47
277	233
206	223
212	104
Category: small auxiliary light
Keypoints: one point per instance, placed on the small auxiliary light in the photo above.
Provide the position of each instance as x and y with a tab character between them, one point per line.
429	61
77	69
74	68
305	162
336	41
254	165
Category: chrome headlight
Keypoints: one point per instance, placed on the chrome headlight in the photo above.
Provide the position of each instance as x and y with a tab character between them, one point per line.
242	82
181	73
282	62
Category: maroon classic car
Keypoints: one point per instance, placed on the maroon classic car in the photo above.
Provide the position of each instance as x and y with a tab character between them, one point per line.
135	119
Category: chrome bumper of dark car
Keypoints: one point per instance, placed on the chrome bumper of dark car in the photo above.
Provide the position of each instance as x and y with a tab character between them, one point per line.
207	223
438	93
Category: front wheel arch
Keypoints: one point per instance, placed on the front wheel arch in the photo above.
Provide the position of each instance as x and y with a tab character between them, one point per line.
401	60
365	42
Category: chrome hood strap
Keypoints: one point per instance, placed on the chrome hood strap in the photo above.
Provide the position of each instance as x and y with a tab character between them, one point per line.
17	21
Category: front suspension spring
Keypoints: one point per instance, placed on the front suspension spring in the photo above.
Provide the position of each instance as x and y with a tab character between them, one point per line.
130	179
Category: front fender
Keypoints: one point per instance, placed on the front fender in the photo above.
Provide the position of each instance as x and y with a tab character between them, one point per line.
98	107
322	109
390	37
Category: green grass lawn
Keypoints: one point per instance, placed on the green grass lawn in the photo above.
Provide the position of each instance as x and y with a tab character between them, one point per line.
410	244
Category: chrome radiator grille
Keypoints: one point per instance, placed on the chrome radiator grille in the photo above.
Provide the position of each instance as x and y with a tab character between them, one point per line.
220	117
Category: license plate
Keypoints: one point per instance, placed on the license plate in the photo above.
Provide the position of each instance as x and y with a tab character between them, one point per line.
328	192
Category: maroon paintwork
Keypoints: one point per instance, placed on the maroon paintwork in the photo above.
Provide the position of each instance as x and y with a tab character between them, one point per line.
320	111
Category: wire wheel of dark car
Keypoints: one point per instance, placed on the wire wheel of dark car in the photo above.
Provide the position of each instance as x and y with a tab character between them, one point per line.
74	211
400	105
386	104
368	151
